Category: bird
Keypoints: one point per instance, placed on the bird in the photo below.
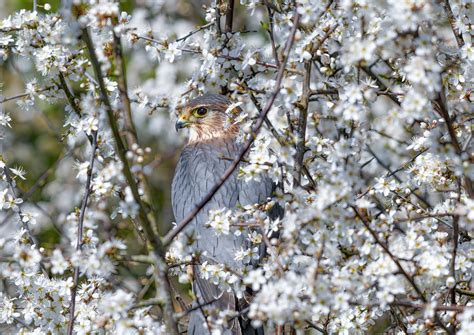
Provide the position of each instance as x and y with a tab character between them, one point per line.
211	147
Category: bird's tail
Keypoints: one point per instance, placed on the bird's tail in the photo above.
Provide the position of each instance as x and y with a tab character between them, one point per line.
212	298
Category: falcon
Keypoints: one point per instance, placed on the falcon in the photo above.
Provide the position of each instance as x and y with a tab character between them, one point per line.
209	152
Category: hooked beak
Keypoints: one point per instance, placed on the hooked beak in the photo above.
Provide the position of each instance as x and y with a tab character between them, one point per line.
180	123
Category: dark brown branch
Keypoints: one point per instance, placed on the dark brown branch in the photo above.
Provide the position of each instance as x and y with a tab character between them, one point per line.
442	109
256	128
303	105
452	23
121	73
70	97
229	16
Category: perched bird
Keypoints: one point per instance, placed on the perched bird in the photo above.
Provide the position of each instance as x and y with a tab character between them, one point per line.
211	147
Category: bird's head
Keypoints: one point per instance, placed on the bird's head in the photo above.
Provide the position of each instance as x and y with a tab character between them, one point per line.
206	118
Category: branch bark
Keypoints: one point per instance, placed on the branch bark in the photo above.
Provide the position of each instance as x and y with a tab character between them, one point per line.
303	118
229	16
131	132
452	22
443	111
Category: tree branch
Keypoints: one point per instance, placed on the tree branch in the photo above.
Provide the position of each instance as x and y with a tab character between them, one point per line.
80	231
442	109
302	121
229	16
121	73
156	243
452	23
408	277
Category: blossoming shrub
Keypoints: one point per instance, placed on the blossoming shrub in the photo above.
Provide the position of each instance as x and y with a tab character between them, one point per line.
368	137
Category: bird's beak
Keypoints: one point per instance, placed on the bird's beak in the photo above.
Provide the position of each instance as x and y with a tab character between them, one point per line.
181	123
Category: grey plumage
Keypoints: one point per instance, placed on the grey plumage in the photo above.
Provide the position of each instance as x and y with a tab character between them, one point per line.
200	166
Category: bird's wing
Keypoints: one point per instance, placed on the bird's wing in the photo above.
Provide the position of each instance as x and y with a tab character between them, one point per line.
199	169
255	191
180	184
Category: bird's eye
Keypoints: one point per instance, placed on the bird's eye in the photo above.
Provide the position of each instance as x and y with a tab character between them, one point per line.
200	112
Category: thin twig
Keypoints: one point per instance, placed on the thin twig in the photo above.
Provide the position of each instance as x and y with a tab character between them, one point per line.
394	174
455	245
465	292
407	276
23	95
31	238
452	22
130	129
319	329
383	87
194	32
281	141
271	34
70	97
80	232
218	17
